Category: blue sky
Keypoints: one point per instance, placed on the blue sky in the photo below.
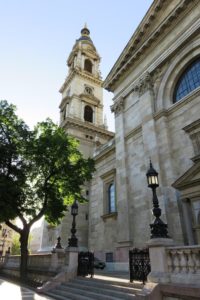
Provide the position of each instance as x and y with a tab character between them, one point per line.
36	38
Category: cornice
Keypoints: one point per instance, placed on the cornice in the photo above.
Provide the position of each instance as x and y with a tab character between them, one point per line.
89	127
192	127
68	79
90	99
104	150
64	100
155	68
87	75
134	133
138	44
82	74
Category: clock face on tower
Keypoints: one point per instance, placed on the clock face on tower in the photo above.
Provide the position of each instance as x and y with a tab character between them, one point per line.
88	90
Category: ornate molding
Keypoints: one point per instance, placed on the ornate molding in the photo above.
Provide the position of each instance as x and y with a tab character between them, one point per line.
90	99
81	73
118	106
65	100
138	43
86	127
145	84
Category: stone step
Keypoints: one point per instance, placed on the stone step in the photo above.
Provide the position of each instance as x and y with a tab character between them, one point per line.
96	289
62	295
91	281
77	295
89	293
108	288
99	293
56	296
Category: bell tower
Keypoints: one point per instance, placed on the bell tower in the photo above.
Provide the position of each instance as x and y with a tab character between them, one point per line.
81	108
81	115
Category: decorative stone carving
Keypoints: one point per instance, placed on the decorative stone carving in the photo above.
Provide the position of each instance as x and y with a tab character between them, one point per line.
118	106
145	84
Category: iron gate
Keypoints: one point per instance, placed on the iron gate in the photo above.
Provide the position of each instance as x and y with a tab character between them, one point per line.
85	264
139	264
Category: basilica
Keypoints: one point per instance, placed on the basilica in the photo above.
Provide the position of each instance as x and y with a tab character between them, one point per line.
156	104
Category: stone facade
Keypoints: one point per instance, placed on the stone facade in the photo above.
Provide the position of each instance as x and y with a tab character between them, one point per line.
81	115
148	125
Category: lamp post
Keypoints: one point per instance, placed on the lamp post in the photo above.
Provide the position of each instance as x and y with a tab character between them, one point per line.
158	227
73	241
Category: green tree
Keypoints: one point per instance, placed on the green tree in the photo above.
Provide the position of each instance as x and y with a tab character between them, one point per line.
41	173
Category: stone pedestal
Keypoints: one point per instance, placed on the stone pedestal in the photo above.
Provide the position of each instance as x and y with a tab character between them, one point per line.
72	258
158	259
68	270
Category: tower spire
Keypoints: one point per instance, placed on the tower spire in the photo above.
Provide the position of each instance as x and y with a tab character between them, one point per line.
85	31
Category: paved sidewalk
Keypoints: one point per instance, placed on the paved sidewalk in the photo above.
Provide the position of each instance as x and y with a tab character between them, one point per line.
12	291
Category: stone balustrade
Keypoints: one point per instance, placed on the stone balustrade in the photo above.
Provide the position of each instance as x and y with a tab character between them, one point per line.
183	260
174	264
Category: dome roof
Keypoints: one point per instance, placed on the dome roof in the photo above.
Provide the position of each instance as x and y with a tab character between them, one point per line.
85	35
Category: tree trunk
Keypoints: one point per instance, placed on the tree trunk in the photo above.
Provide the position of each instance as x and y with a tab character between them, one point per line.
24	254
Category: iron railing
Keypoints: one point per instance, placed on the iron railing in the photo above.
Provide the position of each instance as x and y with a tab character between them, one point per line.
86	264
139	264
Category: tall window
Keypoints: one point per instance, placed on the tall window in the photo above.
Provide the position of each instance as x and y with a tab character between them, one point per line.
188	81
111	198
88	114
88	66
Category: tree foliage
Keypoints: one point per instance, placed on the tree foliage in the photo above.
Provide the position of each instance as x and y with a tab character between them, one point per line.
41	171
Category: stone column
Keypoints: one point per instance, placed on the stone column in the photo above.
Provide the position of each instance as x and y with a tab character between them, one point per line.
82	110
95	115
149	134
123	226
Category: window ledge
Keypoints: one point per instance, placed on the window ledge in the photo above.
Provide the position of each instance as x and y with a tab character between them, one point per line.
109	216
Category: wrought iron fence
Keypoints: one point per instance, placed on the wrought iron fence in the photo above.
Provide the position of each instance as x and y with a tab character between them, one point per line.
139	264
86	264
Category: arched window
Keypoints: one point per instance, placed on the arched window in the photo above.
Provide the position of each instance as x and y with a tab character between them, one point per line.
189	81
111	198
88	66
88	114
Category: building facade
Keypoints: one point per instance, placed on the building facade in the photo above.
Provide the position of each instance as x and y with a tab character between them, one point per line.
156	86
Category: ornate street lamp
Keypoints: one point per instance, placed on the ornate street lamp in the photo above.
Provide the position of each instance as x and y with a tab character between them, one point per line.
58	245
158	227
73	241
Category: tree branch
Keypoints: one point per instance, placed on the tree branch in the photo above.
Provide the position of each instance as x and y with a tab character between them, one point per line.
14	227
42	211
22	218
